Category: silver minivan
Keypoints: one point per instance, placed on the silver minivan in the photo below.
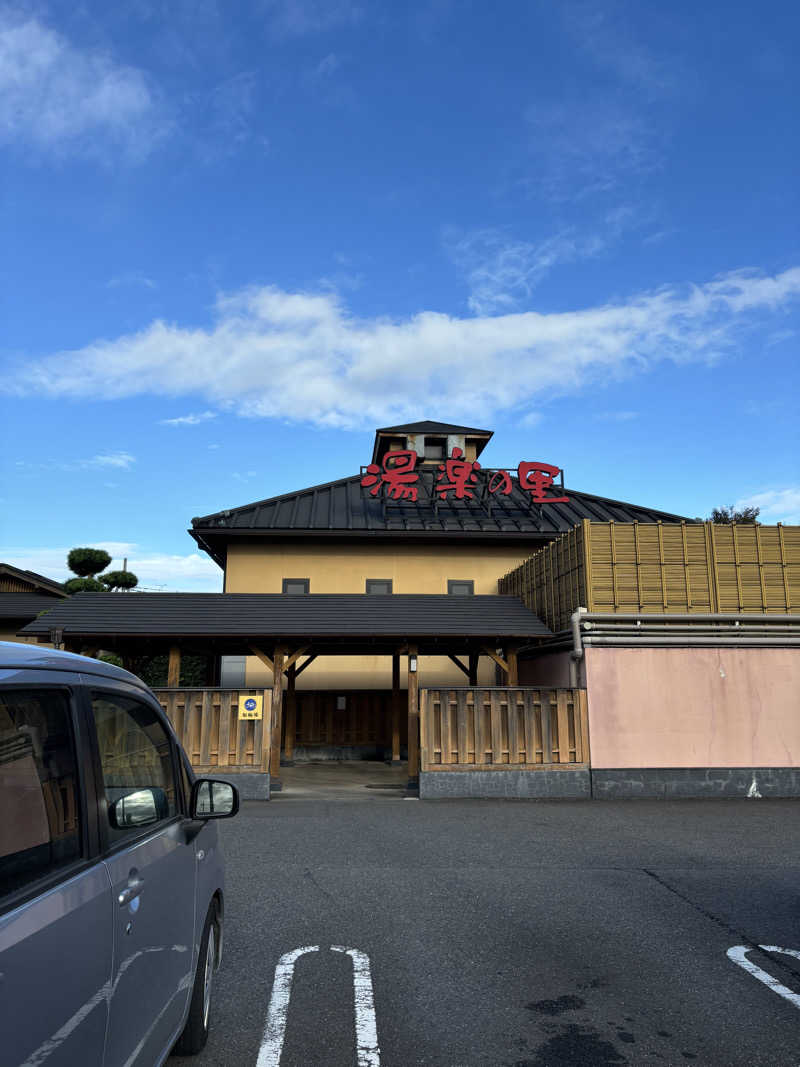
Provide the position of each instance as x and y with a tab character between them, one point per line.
111	876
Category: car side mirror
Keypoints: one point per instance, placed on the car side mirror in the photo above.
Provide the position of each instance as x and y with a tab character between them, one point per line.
139	808
213	799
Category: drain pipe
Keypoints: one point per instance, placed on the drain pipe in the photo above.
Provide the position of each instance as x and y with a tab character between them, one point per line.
576	655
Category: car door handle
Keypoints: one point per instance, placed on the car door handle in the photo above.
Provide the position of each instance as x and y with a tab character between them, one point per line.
131	891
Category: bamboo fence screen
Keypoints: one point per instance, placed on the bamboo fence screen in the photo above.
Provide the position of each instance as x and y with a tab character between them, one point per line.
656	567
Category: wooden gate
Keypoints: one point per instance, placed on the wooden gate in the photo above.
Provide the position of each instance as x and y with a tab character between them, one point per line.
495	729
209	728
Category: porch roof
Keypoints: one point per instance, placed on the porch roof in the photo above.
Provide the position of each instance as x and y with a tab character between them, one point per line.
228	619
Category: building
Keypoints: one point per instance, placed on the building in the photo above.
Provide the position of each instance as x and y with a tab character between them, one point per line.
481	622
23	596
343	537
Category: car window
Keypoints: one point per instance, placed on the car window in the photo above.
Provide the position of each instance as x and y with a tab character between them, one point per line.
39	808
136	762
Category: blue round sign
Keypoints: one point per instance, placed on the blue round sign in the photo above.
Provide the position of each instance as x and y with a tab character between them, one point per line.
250	705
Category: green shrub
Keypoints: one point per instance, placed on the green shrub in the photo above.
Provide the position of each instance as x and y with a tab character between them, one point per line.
119	580
87	561
84	585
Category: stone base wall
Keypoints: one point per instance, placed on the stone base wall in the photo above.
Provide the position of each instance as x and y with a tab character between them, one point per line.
675	782
251	785
554	785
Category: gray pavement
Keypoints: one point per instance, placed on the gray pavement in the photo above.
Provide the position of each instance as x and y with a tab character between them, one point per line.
520	933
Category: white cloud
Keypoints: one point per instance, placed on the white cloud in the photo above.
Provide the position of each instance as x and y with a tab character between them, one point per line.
777	505
117	460
302	356
502	272
585	146
56	96
192	573
190	420
296	18
616	416
135	278
608	38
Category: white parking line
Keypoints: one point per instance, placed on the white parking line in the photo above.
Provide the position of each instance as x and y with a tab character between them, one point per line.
367	1051
269	1055
739	955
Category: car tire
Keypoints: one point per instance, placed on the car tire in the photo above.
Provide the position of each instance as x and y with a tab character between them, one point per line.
195	1032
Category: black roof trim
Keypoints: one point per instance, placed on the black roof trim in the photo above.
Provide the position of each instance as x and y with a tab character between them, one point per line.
427	426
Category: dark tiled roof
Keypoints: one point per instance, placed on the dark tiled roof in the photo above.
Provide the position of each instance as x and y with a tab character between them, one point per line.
26	605
343	507
38	581
321	615
431	427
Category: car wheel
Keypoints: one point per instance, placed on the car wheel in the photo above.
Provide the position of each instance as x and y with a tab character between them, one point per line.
195	1033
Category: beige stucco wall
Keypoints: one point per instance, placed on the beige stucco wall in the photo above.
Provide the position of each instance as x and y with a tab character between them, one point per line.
344	568
694	707
11	635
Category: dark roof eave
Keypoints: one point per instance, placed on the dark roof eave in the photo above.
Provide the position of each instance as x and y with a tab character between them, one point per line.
308	534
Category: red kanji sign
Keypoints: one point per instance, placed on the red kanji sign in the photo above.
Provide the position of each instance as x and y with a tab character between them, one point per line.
536	477
461	474
500	482
398	475
458	476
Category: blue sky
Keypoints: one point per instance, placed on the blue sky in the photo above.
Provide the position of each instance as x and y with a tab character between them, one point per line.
237	237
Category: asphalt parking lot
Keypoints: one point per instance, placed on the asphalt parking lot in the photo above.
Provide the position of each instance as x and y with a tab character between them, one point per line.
510	933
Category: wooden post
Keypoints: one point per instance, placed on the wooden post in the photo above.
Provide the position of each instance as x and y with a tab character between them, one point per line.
277	712
396	708
413	716
291	715
513	667
174	668
473	669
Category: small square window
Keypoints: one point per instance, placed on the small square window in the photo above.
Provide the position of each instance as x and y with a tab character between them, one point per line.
379	586
435	448
460	587
296	586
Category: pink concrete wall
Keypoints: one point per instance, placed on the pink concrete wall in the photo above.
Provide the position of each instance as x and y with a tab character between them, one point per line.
694	707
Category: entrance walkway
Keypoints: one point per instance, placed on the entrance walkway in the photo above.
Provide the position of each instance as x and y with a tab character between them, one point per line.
342	780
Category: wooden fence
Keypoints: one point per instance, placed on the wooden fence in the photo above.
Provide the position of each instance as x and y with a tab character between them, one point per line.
659	568
209	728
496	729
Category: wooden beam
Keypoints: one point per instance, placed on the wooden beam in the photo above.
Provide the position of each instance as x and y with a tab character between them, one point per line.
501	663
473	668
413	716
291	714
277	713
459	664
295	656
513	666
174	667
395	708
264	658
307	663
